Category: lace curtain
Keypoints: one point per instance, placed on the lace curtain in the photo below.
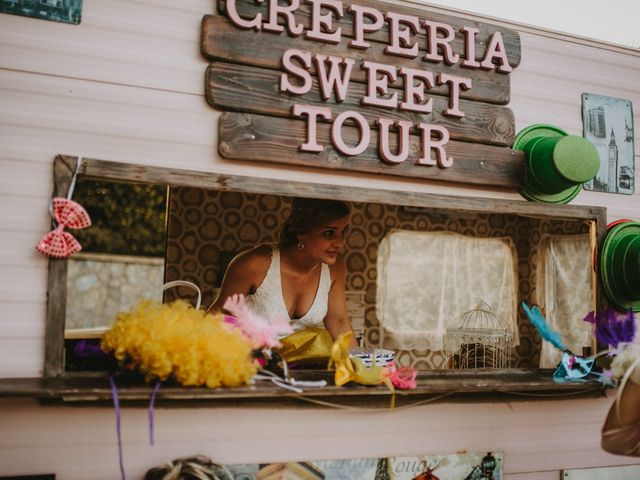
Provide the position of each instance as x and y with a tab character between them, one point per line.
565	292
427	280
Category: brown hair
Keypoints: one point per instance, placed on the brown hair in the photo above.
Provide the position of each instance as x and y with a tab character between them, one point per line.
309	213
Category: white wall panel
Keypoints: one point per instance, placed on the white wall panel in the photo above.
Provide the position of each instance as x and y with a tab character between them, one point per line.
534	436
124	42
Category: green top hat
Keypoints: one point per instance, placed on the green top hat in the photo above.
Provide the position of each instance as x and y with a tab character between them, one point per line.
620	265
557	163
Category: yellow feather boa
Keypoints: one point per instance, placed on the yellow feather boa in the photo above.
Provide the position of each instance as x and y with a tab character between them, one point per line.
176	340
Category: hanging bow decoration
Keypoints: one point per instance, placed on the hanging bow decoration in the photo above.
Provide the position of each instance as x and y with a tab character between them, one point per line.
58	243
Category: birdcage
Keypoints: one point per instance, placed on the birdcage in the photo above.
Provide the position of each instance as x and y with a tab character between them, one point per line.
478	340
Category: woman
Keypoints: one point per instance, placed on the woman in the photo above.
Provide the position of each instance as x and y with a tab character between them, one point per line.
302	278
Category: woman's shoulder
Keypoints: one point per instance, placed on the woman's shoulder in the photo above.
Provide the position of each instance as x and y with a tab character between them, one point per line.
256	259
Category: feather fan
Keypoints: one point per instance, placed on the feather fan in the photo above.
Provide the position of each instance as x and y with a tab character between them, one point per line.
544	329
262	331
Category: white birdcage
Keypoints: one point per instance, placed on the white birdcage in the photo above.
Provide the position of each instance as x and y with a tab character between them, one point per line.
478	340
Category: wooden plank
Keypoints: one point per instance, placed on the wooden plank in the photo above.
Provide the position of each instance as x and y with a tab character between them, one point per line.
223	41
262	138
174	177
95	386
63	169
249	8
255	90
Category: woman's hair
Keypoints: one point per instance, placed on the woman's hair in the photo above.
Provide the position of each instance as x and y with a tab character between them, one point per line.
307	214
197	467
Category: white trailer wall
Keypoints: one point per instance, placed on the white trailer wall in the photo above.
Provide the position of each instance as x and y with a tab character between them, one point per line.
127	85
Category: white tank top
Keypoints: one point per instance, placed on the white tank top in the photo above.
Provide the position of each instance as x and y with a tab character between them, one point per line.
268	301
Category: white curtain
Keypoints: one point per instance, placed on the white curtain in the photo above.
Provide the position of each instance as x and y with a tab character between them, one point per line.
428	280
565	292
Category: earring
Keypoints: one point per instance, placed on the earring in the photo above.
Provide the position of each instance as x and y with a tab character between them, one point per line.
300	245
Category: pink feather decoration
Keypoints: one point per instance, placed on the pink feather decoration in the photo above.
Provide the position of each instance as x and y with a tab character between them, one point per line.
262	332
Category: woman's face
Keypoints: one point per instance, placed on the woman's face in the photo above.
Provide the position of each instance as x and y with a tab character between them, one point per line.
326	242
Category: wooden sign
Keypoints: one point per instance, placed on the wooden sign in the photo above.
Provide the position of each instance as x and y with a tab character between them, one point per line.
372	88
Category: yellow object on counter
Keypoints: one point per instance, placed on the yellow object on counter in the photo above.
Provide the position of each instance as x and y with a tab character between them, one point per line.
353	370
312	343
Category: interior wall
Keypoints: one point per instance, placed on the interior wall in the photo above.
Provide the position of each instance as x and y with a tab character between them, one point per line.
127	85
207	228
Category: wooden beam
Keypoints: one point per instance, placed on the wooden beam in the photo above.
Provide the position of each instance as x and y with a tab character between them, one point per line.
127	172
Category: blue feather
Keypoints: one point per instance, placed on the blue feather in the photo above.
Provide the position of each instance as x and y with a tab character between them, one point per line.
545	331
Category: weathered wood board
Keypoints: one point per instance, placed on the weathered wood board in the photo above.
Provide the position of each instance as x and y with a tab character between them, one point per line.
245	136
223	41
249	8
442	78
255	90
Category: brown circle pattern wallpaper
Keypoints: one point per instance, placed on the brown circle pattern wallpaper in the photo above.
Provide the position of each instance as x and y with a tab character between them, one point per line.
207	228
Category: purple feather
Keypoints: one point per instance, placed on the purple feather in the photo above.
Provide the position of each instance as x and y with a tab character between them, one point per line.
611	328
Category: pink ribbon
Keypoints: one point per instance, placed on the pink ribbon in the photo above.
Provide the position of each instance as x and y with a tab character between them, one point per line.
58	243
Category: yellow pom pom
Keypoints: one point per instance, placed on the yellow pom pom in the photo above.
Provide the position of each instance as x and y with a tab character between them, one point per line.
176	340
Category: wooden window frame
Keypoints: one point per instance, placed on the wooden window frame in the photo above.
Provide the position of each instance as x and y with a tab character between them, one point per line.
57	383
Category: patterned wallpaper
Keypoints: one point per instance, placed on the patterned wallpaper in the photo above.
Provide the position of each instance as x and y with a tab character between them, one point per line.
207	228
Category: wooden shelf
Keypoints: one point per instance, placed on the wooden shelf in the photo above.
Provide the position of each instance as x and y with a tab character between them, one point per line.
469	384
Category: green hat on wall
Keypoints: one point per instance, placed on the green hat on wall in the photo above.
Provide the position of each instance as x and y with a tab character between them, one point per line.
620	265
557	163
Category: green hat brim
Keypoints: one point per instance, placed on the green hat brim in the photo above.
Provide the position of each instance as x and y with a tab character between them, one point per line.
607	273
528	192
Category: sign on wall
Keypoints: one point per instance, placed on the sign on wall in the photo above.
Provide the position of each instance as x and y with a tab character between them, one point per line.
66	11
608	124
378	88
463	466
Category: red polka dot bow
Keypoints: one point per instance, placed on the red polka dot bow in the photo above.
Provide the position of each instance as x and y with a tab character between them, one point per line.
58	243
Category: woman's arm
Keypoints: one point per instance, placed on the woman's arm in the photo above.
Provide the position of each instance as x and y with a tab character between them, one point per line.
337	320
243	275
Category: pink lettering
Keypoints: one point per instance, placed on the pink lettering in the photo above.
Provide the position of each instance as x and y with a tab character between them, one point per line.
285	11
238	21
414	92
312	113
379	85
321	24
292	68
455	84
400	37
496	51
470	47
363	127
429	144
403	140
436	43
360	27
333	80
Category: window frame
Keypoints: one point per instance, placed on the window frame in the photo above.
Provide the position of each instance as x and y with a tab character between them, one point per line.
434	382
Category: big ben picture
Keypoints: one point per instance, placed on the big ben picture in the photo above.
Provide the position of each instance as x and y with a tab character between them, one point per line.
608	125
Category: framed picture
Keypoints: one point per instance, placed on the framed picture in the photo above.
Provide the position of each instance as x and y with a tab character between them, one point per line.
603	473
608	124
65	11
466	466
49	476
